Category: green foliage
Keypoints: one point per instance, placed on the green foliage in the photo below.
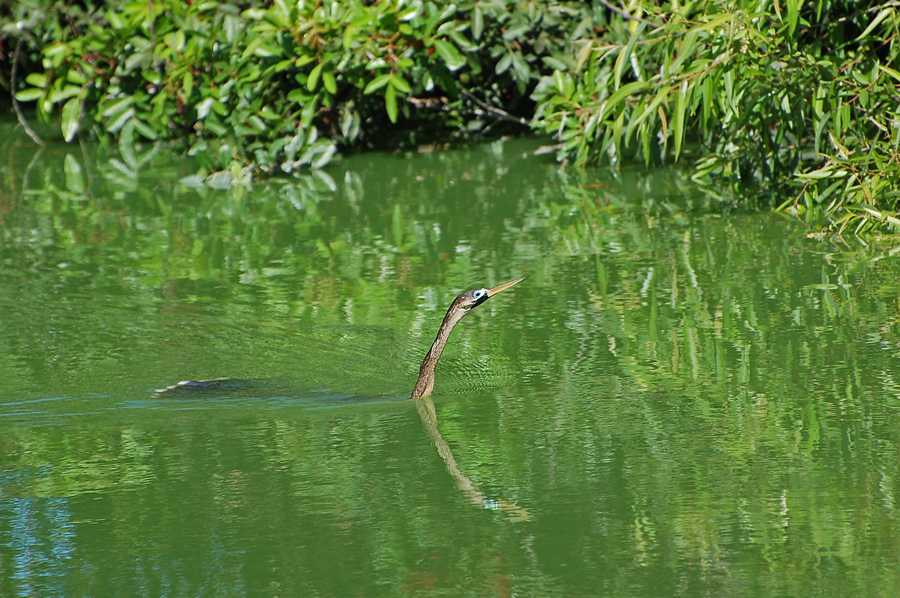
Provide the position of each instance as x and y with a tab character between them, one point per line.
794	104
791	104
282	86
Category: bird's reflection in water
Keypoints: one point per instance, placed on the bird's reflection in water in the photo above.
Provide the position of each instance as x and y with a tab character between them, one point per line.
421	394
425	406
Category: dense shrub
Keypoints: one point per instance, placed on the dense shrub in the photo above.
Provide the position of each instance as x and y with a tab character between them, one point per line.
282	85
796	104
793	104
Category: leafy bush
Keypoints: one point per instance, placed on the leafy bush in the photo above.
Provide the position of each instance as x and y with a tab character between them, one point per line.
281	86
795	104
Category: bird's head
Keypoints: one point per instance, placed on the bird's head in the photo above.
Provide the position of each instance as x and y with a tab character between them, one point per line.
470	299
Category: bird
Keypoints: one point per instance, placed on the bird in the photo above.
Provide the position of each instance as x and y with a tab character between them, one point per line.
463	304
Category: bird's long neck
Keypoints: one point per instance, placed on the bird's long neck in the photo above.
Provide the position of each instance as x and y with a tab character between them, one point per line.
425	383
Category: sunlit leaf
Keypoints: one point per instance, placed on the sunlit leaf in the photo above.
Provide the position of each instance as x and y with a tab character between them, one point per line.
625	55
329	82
503	64
793	9
449	54
29	95
583	54
69	118
400	83
313	81
882	15
377	83
477	22
678	118
390	102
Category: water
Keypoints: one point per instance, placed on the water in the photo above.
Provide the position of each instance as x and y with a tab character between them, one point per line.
679	400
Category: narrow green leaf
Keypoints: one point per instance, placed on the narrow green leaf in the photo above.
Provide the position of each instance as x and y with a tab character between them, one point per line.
29	95
886	12
56	49
390	102
559	82
661	95
793	8
591	125
716	22
298	95
678	118
377	83
313	82
645	143
684	52
729	90
69	91
825	172
449	54
503	64
309	112
707	103
145	130
254	44
70	112
329	82
890	71
36	79
617	133
400	83
477	22
517	32
116	123
204	108
520	66
114	19
584	54
303	60
625	55
625	91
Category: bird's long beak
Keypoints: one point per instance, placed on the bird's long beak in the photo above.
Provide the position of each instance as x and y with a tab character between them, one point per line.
503	287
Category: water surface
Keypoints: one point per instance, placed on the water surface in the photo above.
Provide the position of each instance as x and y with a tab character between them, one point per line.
679	400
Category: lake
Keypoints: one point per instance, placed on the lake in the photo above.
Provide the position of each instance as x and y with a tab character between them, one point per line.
680	399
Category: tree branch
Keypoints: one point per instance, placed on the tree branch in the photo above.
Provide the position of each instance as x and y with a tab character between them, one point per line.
627	16
19	114
496	112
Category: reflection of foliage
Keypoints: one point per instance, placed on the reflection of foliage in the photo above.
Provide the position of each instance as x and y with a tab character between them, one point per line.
749	365
699	398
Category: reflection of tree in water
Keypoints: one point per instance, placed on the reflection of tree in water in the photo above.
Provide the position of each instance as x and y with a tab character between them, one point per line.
36	541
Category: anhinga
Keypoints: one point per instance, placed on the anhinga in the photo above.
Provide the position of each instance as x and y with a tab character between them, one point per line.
424	385
459	308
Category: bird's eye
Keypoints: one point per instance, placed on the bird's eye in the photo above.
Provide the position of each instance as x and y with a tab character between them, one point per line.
479	293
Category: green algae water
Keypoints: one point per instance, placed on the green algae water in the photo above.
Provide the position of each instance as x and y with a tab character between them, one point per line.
677	401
